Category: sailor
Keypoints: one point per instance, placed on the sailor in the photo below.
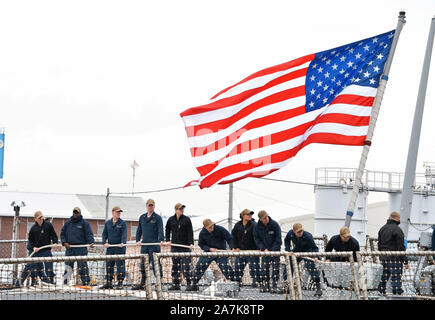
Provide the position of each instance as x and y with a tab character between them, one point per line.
267	237
433	241
115	233
342	242
243	239
392	238
179	230
150	230
42	234
77	232
303	242
211	239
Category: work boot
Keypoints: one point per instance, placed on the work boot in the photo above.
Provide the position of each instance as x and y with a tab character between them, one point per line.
140	286
51	280
254	284
119	286
33	282
19	284
189	287
276	289
264	286
193	287
175	286
107	285
318	292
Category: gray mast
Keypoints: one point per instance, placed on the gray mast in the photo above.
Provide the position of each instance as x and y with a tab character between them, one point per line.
373	119
409	180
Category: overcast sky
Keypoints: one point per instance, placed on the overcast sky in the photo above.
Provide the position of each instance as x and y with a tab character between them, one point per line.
86	87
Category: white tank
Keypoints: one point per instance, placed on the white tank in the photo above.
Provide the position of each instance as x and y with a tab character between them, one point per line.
422	212
331	204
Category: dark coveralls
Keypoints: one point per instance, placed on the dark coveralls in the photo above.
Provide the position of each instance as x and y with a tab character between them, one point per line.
268	237
303	244
40	236
77	232
182	233
433	239
151	231
216	239
243	239
336	244
391	238
25	273
115	233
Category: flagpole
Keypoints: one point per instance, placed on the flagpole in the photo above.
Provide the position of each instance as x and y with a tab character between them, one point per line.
408	182
373	119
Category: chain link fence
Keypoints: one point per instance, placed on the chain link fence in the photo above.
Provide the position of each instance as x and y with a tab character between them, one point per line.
13	248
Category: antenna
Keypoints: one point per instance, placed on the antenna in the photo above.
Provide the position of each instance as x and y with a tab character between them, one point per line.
134	165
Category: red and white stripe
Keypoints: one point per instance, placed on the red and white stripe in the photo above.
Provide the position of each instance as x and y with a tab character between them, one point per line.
258	125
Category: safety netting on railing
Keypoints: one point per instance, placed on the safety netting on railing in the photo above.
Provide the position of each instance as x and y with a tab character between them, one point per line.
191	274
93	277
221	275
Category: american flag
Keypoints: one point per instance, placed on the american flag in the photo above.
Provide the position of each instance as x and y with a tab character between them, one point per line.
258	125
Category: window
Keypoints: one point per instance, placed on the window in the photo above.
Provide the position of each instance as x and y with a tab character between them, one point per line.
100	228
133	232
29	226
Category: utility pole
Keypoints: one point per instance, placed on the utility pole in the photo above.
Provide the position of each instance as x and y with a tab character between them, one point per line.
107	204
134	165
17	206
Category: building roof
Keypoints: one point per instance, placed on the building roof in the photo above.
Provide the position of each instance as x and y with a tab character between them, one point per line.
57	205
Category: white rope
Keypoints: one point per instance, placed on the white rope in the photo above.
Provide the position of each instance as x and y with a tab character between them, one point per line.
111	245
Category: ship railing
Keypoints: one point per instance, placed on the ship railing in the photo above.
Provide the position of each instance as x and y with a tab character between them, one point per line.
223	275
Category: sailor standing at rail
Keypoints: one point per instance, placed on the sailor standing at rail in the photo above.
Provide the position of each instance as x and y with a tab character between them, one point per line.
303	241
211	239
243	239
42	234
77	231
150	230
341	243
181	229
115	233
392	238
267	236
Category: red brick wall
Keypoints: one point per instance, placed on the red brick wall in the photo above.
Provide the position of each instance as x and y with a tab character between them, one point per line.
7	226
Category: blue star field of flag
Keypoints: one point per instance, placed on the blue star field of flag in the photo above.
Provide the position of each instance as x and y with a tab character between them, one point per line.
360	63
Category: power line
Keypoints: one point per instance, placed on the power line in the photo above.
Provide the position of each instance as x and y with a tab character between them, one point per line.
292	181
263	178
152	191
182	187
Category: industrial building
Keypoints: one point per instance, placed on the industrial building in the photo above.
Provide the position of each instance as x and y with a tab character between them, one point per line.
58	209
